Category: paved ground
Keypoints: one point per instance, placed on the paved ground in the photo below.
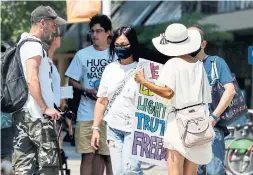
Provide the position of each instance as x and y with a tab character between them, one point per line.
74	162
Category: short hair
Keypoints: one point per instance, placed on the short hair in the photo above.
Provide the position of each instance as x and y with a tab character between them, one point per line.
103	20
35	21
201	31
132	38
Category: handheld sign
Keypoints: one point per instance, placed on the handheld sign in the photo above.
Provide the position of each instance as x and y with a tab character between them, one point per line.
150	120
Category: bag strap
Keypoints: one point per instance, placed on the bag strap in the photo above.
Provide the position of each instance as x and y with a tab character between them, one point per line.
202	83
214	70
128	75
187	107
19	45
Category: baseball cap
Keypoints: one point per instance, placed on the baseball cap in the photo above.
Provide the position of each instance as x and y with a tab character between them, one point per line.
46	12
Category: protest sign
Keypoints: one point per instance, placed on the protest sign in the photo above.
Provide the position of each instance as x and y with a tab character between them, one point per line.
150	120
66	92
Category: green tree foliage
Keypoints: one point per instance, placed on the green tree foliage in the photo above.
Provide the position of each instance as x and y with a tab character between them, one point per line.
145	34
15	16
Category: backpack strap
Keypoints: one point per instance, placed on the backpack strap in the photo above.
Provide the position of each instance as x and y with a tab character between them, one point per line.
19	45
129	74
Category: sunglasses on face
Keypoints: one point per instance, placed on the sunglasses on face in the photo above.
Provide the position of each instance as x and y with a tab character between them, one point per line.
56	34
122	45
59	35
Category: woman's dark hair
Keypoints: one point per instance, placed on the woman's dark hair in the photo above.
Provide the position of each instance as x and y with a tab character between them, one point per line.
103	20
131	36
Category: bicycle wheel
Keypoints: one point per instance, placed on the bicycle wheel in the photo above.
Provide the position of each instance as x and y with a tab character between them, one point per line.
236	159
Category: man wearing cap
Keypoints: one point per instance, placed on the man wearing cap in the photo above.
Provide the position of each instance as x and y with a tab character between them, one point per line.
34	136
216	166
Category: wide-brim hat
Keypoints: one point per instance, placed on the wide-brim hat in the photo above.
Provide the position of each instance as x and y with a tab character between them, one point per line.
177	40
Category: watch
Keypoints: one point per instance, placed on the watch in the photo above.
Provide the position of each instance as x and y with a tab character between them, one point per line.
95	128
215	117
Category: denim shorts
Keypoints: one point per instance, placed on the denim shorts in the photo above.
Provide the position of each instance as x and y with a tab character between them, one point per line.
120	150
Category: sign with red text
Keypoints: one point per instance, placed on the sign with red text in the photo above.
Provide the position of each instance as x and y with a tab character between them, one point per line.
150	120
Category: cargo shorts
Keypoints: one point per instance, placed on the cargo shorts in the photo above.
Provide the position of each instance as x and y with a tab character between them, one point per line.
35	143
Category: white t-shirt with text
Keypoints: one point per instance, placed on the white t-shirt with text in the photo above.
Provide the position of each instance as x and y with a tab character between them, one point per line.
87	67
122	111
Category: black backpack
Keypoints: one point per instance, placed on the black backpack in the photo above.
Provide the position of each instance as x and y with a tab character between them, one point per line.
14	89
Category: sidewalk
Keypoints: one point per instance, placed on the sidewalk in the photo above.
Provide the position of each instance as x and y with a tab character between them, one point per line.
74	160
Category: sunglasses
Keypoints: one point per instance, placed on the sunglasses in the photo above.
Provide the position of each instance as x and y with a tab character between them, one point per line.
59	35
56	34
122	45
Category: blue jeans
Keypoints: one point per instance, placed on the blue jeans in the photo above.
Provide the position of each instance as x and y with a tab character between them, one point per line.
216	166
120	149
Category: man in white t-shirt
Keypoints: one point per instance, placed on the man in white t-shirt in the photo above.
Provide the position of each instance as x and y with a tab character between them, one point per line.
85	72
35	138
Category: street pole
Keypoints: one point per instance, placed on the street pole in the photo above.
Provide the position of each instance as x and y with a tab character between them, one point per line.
106	8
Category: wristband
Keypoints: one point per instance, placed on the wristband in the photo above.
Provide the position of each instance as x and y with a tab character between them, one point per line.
95	128
215	117
84	92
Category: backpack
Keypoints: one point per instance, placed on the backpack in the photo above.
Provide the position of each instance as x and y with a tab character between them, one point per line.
14	89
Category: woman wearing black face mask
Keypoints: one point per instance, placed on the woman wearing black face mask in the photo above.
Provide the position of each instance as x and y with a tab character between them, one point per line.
116	97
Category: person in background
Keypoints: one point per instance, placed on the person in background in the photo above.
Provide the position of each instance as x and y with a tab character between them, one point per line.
116	95
84	74
216	166
183	81
56	85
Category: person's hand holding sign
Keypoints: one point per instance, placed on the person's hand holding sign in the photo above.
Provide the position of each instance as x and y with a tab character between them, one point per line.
139	76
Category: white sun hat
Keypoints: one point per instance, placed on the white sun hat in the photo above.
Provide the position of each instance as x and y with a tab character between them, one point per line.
177	40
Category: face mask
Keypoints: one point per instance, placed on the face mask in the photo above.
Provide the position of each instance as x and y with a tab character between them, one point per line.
123	53
194	54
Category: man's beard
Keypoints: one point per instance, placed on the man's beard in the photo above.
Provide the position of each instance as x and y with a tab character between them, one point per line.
47	37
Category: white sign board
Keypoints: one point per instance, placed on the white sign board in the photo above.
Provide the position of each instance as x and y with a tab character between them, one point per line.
150	120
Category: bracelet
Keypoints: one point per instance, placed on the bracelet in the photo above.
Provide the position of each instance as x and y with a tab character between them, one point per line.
84	91
215	117
95	128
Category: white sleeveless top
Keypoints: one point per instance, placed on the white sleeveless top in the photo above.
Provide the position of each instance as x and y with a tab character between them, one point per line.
185	79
